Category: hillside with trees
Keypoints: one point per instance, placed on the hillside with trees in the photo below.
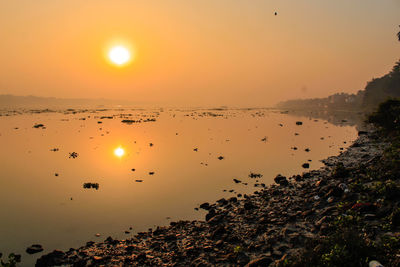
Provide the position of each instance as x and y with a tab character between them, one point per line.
376	91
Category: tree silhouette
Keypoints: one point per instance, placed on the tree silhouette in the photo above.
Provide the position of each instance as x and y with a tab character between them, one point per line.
398	35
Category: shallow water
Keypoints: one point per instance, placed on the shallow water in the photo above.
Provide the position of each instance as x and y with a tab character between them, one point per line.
56	211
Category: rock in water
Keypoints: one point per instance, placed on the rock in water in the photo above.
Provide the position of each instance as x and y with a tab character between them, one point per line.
34	249
306	165
281	180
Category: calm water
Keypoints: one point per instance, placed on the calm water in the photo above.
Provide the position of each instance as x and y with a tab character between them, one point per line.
56	211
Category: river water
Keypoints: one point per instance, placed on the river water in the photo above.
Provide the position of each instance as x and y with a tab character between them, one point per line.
194	155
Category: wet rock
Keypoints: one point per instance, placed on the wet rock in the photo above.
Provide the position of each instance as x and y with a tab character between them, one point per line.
281	180
248	205
205	206
34	249
110	240
334	192
395	221
305	165
218	232
260	262
222	201
54	258
237	181
211	213
242	258
233	199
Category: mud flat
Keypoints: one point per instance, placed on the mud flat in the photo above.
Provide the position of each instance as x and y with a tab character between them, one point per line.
273	226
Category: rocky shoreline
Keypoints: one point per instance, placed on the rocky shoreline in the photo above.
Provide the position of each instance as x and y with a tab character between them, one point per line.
266	228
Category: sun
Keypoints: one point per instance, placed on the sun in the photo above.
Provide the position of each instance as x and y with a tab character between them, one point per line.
119	152
119	55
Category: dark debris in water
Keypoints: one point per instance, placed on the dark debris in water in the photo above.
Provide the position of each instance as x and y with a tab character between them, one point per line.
255	175
91	185
39	125
73	155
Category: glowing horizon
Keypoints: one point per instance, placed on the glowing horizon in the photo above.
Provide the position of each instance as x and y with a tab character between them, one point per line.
196	53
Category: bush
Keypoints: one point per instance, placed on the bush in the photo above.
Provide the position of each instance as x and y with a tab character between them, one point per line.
13	259
344	248
387	116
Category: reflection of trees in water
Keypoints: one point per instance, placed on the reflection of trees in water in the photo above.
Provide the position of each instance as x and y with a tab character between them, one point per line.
335	117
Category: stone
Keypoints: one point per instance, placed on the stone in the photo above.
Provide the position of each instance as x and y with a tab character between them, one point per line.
36	248
281	180
306	165
205	206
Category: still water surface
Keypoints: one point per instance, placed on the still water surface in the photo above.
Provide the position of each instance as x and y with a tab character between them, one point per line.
42	199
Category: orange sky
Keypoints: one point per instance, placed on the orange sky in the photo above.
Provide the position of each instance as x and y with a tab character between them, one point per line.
208	52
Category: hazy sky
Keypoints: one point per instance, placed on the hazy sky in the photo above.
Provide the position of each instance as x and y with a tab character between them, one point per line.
199	52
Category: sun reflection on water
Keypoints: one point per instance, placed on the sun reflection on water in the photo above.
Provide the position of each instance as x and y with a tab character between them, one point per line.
119	152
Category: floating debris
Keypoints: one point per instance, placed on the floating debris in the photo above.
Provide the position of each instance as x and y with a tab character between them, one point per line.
220	157
255	175
138	181
129	121
151	173
73	155
299	123
91	185
54	149
264	139
151	144
37	126
196	149
237	181
307	150
133	170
